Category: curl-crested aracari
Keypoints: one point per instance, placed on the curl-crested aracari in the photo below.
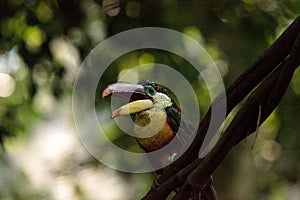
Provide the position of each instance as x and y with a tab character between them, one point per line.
157	118
154	112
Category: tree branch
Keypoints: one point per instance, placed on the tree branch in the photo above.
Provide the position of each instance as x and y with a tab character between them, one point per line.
238	90
278	64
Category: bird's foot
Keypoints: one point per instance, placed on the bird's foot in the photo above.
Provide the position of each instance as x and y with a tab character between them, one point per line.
156	184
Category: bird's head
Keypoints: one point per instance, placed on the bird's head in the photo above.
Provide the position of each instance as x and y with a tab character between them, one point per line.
142	96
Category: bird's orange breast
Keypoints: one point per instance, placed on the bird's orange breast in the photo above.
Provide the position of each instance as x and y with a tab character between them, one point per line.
158	140
152	130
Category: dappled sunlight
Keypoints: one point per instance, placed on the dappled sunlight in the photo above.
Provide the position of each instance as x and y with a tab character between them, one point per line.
7	85
296	82
42	47
94	24
67	55
133	9
128	74
43	101
34	37
10	63
55	162
266	149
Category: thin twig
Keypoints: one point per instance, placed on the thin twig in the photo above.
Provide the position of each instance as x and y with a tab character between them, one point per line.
257	127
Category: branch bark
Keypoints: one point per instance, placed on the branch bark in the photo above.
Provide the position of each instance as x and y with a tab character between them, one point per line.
273	72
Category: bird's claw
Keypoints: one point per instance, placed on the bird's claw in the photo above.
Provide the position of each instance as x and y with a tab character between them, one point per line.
156	184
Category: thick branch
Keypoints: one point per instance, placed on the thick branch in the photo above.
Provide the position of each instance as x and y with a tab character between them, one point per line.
266	96
238	90
283	53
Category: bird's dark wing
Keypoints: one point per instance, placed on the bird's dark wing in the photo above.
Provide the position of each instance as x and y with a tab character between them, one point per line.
180	125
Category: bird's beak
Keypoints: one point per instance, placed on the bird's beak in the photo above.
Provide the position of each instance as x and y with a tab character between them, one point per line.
138	100
133	107
125	90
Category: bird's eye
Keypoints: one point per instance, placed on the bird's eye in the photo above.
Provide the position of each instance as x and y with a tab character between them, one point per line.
149	90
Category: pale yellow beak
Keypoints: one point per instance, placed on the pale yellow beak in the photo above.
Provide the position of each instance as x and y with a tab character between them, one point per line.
133	107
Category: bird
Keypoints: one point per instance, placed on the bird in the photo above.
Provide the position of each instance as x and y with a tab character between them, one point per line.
155	114
158	120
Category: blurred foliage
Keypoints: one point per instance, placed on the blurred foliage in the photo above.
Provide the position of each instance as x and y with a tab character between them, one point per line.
43	42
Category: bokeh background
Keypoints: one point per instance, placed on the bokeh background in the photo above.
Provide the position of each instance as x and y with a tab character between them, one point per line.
42	44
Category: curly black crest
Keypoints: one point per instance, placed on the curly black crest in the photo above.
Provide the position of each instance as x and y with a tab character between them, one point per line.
154	85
